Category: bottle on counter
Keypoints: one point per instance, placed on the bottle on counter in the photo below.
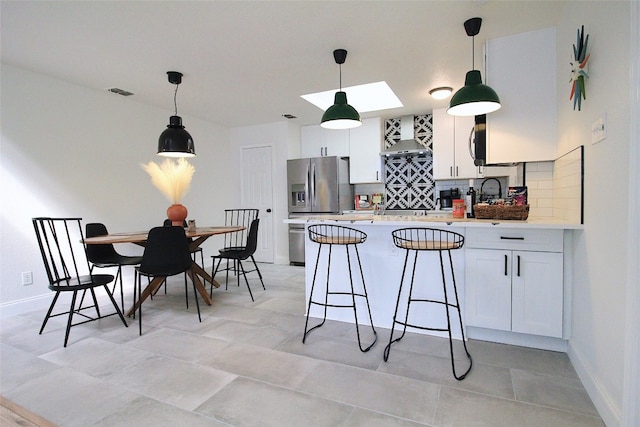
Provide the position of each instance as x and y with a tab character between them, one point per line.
470	200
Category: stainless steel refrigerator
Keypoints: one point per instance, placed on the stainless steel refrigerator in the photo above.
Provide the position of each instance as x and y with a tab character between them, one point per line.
319	185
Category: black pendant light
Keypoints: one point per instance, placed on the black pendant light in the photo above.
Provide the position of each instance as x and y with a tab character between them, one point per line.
474	98
340	115
175	141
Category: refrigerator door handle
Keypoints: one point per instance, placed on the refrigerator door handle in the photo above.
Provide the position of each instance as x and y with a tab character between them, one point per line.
312	194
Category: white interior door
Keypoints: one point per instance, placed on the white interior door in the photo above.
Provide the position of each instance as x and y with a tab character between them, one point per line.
257	192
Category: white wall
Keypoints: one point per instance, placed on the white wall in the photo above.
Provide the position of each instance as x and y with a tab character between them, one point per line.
596	346
72	151
284	138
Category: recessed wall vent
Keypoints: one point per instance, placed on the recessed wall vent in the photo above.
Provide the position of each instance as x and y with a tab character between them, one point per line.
119	91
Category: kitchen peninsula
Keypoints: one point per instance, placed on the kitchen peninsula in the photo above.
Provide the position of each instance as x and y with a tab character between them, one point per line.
513	277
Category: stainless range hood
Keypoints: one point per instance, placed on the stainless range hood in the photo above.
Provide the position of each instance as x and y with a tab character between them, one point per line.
407	146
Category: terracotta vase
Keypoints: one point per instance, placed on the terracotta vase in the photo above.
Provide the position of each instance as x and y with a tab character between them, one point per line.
177	213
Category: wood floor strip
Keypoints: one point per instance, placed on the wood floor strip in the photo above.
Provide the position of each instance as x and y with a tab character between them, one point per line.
12	414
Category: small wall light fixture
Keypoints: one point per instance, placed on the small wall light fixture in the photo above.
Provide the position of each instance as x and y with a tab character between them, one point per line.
175	141
340	115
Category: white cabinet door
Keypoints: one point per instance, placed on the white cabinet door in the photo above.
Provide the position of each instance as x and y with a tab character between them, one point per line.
537	293
317	141
488	288
518	291
522	70
311	141
365	163
451	158
464	166
336	142
443	151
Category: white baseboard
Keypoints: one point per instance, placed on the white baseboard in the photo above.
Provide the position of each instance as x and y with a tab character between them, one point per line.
607	410
512	338
15	308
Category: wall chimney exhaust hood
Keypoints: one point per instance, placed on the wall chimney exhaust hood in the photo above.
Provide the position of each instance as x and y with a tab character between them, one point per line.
407	146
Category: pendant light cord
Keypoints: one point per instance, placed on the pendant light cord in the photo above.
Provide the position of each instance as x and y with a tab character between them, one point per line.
175	103
473	53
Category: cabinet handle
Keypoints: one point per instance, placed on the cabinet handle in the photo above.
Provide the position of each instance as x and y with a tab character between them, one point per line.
518	265
450	170
377	175
511	238
457	171
505	265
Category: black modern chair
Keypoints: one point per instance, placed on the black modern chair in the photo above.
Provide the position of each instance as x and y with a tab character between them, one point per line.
105	256
238	240
238	255
60	241
167	223
166	253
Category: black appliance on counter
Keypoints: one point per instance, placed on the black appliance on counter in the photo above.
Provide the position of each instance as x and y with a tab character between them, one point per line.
447	197
479	140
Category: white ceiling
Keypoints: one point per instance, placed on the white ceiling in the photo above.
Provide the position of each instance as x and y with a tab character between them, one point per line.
248	62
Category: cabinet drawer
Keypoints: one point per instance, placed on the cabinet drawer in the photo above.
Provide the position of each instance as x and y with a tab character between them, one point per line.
515	238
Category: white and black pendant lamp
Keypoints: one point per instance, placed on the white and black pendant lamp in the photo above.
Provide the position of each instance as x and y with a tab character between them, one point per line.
175	141
340	115
474	98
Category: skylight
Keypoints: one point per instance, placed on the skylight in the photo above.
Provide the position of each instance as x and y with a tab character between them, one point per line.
364	98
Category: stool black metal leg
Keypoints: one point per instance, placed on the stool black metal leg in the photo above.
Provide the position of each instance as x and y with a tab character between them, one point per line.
457	307
387	349
366	298
313	284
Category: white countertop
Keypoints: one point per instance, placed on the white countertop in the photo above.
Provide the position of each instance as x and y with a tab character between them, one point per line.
409	220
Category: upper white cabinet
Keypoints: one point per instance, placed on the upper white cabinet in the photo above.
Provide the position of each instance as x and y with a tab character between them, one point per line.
317	141
451	156
522	70
365	163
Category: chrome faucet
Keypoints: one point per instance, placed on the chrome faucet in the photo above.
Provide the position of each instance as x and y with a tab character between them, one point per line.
482	198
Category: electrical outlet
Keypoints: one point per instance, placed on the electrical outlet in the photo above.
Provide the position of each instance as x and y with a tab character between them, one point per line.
27	278
599	129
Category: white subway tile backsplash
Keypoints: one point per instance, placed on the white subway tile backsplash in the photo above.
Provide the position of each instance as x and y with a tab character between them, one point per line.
545	185
539	175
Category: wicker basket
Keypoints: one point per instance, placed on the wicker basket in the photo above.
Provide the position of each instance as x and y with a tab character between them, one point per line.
501	212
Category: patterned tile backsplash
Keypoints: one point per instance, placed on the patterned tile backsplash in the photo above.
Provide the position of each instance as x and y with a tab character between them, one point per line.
409	182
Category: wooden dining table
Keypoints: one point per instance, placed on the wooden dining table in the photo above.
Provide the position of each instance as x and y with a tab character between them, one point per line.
197	273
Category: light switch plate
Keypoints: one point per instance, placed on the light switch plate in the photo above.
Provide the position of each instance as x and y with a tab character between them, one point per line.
599	129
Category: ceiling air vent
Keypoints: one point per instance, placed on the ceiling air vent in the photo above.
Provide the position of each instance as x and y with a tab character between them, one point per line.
289	116
119	91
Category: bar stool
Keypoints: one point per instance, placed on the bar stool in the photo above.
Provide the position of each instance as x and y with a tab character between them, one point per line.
418	240
329	236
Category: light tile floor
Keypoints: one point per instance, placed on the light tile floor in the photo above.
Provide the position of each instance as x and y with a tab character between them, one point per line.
245	365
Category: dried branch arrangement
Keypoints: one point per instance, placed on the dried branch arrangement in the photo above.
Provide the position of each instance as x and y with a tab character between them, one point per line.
172	178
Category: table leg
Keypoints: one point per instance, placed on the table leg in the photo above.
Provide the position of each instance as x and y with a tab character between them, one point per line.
199	286
152	287
201	272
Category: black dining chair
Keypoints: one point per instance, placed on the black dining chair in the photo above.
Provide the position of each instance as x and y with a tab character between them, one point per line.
237	241
238	255
166	253
105	256
167	223
65	262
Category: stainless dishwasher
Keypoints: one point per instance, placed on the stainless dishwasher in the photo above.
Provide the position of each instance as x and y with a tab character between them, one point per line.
296	241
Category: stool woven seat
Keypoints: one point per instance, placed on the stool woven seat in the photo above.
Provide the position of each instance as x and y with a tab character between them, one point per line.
415	241
328	236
